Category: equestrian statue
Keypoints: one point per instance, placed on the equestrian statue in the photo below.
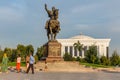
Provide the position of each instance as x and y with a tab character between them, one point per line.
52	25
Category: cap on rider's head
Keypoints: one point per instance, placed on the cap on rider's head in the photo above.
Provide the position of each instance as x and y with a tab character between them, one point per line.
53	8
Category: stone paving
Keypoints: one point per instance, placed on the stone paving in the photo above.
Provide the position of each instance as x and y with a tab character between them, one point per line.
62	71
71	67
61	76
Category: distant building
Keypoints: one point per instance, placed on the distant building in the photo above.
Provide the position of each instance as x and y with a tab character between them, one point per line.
101	44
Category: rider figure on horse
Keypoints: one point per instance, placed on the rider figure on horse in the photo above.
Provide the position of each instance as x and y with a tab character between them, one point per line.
52	22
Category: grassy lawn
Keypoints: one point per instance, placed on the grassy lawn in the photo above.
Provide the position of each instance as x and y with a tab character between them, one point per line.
14	64
95	65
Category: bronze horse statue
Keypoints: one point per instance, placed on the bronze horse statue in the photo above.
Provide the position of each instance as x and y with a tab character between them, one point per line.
52	25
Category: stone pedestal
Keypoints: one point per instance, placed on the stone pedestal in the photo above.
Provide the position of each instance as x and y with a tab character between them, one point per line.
54	51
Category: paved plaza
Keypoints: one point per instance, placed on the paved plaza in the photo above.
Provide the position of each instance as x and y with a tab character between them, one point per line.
61	76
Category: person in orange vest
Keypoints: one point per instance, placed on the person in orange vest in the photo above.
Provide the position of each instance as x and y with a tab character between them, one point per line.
18	63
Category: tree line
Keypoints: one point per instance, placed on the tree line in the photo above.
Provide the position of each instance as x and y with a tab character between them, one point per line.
21	49
91	55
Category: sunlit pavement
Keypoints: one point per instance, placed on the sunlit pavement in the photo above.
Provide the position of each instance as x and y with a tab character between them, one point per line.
60	76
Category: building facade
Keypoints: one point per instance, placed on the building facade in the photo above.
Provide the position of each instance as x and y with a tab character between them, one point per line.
67	45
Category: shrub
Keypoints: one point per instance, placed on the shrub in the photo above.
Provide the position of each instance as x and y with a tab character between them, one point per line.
73	59
78	59
105	61
67	57
114	59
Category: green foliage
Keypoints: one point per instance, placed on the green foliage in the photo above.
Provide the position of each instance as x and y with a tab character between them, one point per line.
73	59
114	59
95	65
29	49
97	61
36	58
93	58
13	56
24	50
12	53
1	55
14	64
8	51
67	57
40	52
78	59
104	61
91	54
78	46
83	60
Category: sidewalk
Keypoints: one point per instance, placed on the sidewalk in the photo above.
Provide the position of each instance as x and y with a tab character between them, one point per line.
63	66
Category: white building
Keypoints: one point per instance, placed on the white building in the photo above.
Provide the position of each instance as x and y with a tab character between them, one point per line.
67	45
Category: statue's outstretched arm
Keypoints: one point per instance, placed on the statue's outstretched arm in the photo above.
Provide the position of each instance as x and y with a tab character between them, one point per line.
46	7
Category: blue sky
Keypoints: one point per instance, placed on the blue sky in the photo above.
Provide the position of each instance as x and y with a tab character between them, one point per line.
23	21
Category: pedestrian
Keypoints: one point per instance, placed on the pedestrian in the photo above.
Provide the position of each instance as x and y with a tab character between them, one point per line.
46	66
31	63
27	61
4	66
18	63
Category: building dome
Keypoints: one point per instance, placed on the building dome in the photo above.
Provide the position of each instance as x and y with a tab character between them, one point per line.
81	36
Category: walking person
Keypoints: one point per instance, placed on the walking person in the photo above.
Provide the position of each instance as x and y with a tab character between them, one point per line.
31	63
18	63
4	66
27	61
46	66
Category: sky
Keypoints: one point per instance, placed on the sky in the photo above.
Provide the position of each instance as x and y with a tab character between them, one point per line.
23	21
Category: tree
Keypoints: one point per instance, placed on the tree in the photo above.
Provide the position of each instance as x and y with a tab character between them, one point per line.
36	58
13	56
115	58
8	51
78	46
40	52
1	55
12	53
22	51
29	49
91	54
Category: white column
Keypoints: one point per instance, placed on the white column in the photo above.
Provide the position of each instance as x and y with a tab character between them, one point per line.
97	50
105	51
77	53
83	54
100	52
68	49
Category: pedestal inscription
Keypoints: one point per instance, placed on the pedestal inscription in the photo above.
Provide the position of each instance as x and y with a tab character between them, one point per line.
54	51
